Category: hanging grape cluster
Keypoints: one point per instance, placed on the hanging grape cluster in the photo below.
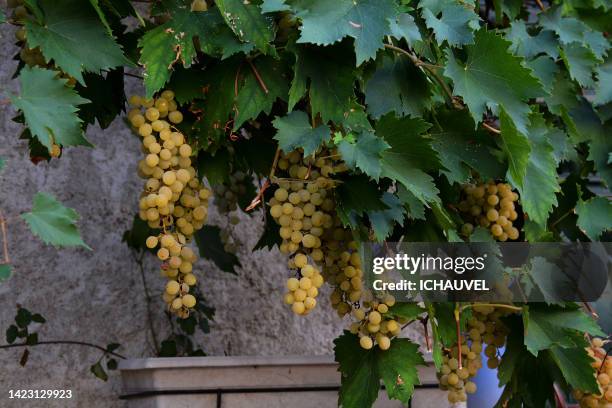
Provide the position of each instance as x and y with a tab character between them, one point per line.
491	206
227	194
173	199
485	328
602	366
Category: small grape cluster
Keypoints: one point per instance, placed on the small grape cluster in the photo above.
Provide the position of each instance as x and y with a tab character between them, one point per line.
373	323
227	194
303	206
602	366
173	199
491	206
484	327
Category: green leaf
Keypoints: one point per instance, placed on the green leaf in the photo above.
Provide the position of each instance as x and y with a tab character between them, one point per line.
603	88
96	5
367	21
106	95
516	147
5	272
248	23
580	62
541	182
550	326
2	163
568	29
53	223
216	168
11	334
397	367
252	100
410	156
415	208
136	236
397	86
365	153
270	6
405	27
360	376
74	38
545	69
23	318
384	221
359	194
99	371
594	216
209	243
294	131
331	80
50	108
461	147
406	310
455	24
547	277
362	370
169	43
529	46
2	17
187	84
493	76
575	364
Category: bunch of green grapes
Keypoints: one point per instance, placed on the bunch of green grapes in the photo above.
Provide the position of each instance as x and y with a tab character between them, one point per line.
492	206
485	329
173	199
602	370
227	194
303	206
373	324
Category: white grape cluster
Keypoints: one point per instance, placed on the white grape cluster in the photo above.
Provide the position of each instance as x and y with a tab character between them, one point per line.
227	194
373	323
484	328
173	199
303	206
602	370
492	206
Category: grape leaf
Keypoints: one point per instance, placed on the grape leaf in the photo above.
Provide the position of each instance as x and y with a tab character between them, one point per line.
549	326
248	23
362	370
2	17
405	27
53	223
168	43
5	272
516	147
568	29
406	310
106	95
545	69
270	6
540	182
415	208
2	163
50	108
575	364
210	246
331	80
384	221
367	21
492	76
187	84
74	38
359	194
455	24
580	62
252	100
529	46
294	131
397	86
594	216
364	154
603	89
459	145
397	367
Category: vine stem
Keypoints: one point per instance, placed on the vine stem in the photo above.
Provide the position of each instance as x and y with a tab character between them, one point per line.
540	5
491	128
458	328
262	84
72	342
500	305
5	251
561	218
429	67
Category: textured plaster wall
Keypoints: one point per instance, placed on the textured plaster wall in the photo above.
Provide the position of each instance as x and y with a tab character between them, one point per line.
97	296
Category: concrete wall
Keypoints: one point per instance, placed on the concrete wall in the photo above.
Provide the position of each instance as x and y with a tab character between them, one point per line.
98	296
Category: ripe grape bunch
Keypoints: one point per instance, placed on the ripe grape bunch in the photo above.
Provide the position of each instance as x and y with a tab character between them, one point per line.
602	366
303	207
491	206
173	200
484	327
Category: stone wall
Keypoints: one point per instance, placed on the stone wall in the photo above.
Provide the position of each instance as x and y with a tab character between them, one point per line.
97	296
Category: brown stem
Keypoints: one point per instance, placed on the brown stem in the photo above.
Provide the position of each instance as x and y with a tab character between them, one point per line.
262	84
5	251
426	333
491	128
275	162
458	327
540	5
73	342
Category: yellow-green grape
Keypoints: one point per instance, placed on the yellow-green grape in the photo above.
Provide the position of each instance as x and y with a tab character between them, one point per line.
602	371
173	199
492	206
199	5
